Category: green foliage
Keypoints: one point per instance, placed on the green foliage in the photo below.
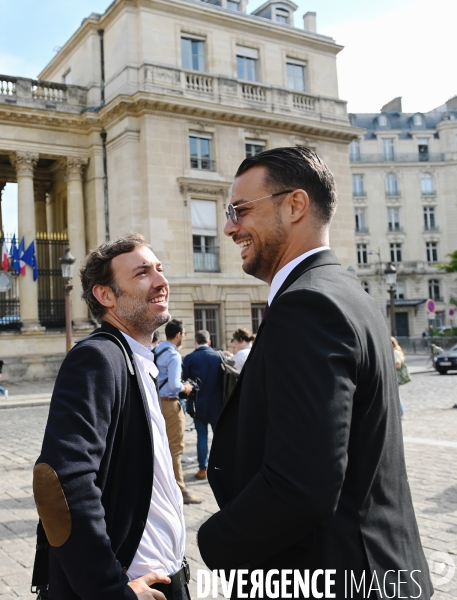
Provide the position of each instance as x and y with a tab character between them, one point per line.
451	266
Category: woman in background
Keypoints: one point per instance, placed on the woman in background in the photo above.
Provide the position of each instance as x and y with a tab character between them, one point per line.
242	342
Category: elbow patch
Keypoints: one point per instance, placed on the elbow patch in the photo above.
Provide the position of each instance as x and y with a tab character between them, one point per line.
51	504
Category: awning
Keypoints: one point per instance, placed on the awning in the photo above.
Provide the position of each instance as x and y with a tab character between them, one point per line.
408	301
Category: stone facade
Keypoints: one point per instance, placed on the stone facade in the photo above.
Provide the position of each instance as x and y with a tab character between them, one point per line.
404	171
178	114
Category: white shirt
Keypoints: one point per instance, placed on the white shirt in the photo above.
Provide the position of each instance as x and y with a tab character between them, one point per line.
162	546
240	358
283	273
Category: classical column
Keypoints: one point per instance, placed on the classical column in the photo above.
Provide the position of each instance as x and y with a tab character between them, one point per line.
25	162
2	187
74	168
41	191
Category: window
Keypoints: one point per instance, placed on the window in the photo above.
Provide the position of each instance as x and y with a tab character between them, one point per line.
366	286
206	316
254	147
193	53
204	235
361	220
400	292
382	121
429	218
388	149
246	63
417	120
357	185
391	185
282	16
201	151
66	77
393	218
440	318
434	290
256	316
395	253
432	251
427	187
296	76
422	146
362	254
233	5
354	150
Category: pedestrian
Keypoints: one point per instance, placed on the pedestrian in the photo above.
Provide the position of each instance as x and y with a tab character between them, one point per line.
169	363
2	389
242	341
307	462
155	340
402	370
204	364
104	485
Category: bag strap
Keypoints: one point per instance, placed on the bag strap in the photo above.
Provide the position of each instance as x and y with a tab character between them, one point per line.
40	576
156	355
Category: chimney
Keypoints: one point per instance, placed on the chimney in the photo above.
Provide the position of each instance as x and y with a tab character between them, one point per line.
309	21
394	104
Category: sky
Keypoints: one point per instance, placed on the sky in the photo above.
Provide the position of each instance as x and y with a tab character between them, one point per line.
391	48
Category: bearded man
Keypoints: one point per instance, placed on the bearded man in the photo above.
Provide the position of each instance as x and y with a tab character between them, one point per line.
307	461
104	484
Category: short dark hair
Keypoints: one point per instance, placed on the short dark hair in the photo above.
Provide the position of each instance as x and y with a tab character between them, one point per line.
97	270
155	337
297	168
202	337
243	335
172	328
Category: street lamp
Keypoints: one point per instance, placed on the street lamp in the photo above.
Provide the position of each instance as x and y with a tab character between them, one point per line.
391	279
67	263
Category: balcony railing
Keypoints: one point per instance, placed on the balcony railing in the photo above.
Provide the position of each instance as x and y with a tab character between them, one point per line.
362	230
431	228
199	83
203	164
7	85
359	193
45	94
428	193
253	92
393	193
400	158
53	92
306	103
205	262
394	228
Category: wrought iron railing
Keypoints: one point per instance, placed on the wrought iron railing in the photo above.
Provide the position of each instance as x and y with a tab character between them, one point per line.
207	261
412	157
51	293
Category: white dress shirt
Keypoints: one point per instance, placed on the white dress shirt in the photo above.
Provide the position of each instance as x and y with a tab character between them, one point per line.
162	546
283	273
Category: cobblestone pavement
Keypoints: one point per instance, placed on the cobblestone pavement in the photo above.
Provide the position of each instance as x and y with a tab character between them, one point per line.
430	430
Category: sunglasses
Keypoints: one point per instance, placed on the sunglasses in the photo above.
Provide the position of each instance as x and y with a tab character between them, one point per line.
231	210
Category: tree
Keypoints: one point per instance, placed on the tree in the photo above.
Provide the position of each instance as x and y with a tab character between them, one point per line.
451	266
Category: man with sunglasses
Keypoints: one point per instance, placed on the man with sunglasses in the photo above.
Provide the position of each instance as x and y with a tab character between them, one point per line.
307	462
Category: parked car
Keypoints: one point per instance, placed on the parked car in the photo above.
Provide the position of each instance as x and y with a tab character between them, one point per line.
446	361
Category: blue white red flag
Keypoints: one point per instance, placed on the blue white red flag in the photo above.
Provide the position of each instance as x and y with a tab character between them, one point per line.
29	258
21	251
5	257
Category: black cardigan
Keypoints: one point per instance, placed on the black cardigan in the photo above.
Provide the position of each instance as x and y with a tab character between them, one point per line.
82	439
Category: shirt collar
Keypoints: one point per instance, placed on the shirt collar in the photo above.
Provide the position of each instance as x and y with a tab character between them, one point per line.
146	356
283	273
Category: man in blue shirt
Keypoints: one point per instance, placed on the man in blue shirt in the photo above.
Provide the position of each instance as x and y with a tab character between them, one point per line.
169	363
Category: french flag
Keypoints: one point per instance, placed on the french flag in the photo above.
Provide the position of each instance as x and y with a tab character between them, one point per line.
5	257
21	254
29	258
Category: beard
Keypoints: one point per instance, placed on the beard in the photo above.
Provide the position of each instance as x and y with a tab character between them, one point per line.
263	260
134	311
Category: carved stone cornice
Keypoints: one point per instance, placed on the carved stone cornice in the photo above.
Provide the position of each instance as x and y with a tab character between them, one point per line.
204	187
24	162
74	167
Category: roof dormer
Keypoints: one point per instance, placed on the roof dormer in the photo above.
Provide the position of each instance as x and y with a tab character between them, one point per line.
235	5
418	121
280	11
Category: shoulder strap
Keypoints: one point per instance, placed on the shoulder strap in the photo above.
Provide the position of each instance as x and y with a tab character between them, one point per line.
156	355
118	342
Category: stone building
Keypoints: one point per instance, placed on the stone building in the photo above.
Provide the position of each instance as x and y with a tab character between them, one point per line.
139	123
404	187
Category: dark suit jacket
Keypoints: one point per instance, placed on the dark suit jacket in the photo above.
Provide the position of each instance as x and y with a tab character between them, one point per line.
205	363
307	461
81	441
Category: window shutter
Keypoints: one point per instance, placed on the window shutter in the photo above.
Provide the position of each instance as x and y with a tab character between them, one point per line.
204	218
